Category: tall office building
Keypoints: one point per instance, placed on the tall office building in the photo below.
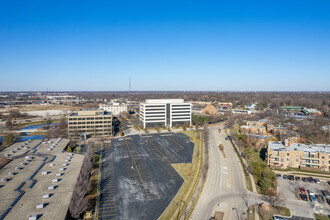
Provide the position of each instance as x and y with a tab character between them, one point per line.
165	113
91	122
115	108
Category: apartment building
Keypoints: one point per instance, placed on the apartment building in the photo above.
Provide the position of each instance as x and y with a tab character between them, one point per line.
165	113
91	122
115	108
302	156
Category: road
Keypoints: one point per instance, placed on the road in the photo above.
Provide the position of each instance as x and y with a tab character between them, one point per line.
225	188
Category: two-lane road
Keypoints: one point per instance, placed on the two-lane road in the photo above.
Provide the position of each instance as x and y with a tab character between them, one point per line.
224	188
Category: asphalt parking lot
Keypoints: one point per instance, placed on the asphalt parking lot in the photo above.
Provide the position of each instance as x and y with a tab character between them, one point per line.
290	189
138	180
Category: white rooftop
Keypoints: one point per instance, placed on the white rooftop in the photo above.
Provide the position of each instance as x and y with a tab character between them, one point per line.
321	148
163	101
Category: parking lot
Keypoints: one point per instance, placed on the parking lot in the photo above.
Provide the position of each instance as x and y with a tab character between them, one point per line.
138	180
292	194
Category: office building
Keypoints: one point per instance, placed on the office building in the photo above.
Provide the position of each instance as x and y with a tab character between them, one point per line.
165	113
296	155
115	108
91	122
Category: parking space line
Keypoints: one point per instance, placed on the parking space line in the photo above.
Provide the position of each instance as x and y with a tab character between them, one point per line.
158	150
175	142
137	168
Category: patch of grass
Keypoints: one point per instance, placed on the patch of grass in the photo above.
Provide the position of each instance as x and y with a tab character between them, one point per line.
191	173
251	213
320	217
284	211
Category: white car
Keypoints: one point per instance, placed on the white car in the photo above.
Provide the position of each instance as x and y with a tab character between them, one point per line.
310	192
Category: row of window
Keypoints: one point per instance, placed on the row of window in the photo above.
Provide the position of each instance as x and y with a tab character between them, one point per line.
96	126
93	118
90	122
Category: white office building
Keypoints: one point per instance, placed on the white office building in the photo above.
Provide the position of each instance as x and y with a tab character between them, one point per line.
165	113
115	108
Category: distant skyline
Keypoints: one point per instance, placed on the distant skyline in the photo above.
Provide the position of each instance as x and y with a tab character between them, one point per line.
165	45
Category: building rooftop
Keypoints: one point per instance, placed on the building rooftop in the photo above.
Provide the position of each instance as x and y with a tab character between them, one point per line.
321	148
163	101
85	112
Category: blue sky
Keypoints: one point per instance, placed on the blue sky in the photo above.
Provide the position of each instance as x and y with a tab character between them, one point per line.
165	45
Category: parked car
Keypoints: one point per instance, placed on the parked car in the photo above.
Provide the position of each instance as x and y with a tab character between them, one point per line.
320	198
325	193
312	198
328	201
285	177
291	177
302	190
304	197
304	179
317	181
329	182
279	176
297	178
310	179
310	192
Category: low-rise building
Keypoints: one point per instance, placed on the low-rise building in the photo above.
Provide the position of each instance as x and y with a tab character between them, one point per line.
165	113
115	108
210	110
90	122
306	157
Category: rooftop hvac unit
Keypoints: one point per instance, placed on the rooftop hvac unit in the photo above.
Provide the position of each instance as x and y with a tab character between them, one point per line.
11	173
12	151
67	160
62	169
49	149
49	142
55	180
46	196
59	174
7	155
51	164
65	164
4	180
18	168
26	148
44	172
51	187
40	206
27	157
33	217
71	154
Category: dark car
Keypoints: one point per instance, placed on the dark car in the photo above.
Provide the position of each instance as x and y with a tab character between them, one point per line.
328	201
320	199
304	197
279	176
310	179
291	177
312	198
325	193
285	177
304	179
297	178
